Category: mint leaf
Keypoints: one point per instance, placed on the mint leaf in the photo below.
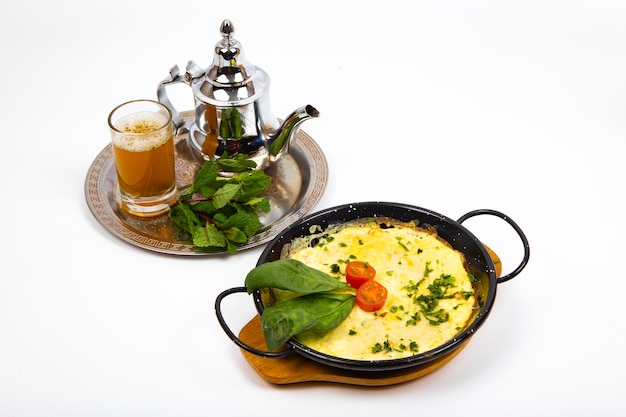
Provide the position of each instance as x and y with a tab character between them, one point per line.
184	217
206	207
259	204
235	163
207	175
225	194
235	235
253	183
208	236
222	212
246	221
232	248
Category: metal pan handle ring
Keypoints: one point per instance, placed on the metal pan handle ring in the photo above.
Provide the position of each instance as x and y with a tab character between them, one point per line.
515	227
233	337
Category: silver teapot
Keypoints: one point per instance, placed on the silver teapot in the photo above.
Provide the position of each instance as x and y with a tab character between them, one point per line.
232	111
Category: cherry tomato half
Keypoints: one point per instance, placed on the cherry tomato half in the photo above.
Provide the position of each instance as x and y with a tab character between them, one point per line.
357	272
371	296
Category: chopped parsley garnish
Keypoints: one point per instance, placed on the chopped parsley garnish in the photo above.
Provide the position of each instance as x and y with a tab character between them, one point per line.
429	303
427	269
402	245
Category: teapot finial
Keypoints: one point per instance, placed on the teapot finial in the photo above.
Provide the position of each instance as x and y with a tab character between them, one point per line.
227	29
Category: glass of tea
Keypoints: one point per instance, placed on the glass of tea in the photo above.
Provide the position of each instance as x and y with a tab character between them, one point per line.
143	149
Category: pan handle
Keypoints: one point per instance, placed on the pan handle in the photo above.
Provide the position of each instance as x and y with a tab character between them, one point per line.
233	337
515	227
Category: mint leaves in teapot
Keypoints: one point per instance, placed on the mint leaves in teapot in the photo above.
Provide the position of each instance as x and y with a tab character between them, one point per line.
222	213
231	126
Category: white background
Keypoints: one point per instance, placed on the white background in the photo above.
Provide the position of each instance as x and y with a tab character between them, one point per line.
518	106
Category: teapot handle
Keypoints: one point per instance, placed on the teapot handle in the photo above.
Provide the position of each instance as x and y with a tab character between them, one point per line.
193	71
174	78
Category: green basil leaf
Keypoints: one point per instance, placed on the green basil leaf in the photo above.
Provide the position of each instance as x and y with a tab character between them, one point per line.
309	313
293	275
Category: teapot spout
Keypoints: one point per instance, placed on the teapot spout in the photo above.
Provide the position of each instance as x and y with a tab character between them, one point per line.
280	140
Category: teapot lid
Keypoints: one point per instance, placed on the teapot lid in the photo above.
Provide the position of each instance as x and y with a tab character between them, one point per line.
231	77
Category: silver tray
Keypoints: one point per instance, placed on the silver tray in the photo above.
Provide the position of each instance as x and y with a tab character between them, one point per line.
299	180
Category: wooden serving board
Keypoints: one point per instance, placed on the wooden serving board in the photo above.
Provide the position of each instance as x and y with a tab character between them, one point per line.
296	368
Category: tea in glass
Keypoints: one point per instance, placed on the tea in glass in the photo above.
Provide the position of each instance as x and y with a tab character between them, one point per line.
143	148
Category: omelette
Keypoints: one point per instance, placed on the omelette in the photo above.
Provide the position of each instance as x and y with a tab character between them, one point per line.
430	294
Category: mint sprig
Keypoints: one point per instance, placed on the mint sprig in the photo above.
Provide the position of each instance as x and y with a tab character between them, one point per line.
222	213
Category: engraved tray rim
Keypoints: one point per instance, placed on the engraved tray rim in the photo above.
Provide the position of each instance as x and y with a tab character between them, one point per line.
304	152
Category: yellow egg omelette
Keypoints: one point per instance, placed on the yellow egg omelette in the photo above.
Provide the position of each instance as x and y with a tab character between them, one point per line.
430	294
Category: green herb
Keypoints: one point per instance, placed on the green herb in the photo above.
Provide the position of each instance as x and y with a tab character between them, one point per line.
428	303
427	269
399	239
316	307
437	317
293	275
235	163
414	319
231	126
387	346
317	313
467	294
412	286
221	213
440	286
